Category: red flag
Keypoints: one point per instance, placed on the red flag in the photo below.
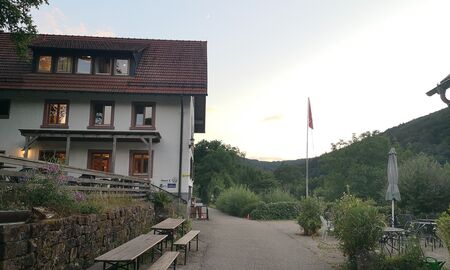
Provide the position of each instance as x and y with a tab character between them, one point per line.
310	120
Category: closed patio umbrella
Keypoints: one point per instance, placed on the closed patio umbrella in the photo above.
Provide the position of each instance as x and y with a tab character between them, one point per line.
392	193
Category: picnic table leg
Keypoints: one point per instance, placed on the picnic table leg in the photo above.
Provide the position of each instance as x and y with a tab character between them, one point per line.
197	242
153	254
185	254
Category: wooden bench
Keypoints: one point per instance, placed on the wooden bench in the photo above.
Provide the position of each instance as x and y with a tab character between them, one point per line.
165	261
185	241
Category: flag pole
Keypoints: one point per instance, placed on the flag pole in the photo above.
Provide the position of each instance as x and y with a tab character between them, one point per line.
307	145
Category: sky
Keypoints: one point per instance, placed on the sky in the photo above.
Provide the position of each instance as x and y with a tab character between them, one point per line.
365	65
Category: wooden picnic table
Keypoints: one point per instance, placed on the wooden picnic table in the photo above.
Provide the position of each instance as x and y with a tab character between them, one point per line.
127	254
168	227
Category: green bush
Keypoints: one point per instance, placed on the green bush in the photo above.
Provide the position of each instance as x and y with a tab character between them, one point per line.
411	259
358	226
277	195
424	185
443	224
237	201
309	218
276	211
46	188
160	199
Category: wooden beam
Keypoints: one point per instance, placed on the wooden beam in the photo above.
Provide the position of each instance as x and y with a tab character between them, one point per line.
113	155
144	141
67	150
25	148
149	162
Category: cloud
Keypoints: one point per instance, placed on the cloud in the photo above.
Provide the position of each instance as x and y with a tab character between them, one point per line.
275	117
54	21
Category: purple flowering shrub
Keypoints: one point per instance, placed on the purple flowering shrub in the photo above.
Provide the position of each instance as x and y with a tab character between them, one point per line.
46	188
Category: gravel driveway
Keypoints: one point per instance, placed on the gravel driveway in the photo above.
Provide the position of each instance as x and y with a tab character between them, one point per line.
234	243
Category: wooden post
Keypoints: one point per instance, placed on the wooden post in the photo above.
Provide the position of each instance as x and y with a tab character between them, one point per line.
113	155
149	163
67	150
27	144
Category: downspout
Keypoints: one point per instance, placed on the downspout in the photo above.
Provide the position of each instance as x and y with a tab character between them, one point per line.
180	169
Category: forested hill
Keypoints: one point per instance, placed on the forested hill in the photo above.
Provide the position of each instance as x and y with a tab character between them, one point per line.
358	165
429	134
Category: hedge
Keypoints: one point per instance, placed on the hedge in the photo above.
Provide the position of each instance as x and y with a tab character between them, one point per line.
276	211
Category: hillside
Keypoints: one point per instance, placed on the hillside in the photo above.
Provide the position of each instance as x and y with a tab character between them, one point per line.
358	165
429	134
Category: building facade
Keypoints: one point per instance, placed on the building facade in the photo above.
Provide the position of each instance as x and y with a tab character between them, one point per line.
125	106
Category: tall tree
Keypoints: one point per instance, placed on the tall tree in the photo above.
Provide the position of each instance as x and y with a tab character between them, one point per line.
15	18
424	185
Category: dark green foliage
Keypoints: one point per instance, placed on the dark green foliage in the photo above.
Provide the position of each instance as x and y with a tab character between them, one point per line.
289	175
411	259
358	165
86	208
277	195
311	208
258	181
46	189
45	192
429	134
362	166
160	199
219	167
443	224
238	201
358	226
15	17
276	211
424	185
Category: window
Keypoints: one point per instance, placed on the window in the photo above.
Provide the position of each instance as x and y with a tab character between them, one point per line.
139	163
103	65
56	114
64	65
102	114
84	65
99	160
4	108
121	67
45	64
52	156
143	115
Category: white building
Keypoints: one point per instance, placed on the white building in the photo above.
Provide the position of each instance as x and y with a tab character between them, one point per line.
106	104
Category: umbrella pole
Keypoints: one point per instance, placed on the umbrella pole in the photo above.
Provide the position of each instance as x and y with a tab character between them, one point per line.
392	219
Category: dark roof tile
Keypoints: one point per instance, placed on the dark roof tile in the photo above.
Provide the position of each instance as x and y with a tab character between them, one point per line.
166	66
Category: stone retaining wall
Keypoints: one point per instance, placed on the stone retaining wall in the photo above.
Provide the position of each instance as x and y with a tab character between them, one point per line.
71	242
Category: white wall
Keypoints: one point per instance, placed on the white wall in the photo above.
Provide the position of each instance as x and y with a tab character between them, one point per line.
27	108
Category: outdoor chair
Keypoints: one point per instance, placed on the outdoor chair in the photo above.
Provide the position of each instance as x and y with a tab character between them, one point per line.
327	227
433	263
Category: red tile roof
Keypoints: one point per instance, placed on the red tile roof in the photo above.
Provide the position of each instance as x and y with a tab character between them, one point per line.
166	66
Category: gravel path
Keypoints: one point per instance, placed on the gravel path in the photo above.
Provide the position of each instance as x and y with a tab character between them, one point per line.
234	243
